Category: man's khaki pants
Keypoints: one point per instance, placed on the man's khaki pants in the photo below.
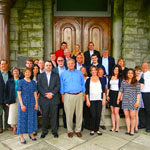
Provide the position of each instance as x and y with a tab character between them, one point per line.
73	104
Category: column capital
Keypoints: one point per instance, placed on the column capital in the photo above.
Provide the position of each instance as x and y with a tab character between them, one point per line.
5	7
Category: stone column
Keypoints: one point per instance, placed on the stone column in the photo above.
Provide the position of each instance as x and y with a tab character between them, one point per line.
4	29
48	28
117	17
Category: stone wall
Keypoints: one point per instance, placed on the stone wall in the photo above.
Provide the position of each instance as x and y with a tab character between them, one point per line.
31	31
136	32
26	31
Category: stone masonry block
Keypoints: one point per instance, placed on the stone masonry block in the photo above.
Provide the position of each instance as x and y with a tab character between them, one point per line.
35	33
14	12
35	4
130	37
35	52
130	21
24	44
36	19
23	35
14	27
28	11
12	20
130	63
36	42
27	25
37	25
130	29
13	36
12	55
22	54
141	31
131	44
128	53
130	13
13	45
38	12
20	3
131	5
13	63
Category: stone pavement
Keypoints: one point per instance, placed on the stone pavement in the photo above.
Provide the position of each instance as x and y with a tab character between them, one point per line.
108	141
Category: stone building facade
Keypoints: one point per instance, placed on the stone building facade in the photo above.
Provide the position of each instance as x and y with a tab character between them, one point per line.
31	30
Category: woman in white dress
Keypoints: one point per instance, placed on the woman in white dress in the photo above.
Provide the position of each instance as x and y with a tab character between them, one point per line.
12	98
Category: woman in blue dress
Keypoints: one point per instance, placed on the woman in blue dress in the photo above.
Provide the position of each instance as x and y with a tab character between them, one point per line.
28	105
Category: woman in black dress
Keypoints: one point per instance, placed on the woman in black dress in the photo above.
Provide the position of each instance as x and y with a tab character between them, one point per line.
114	83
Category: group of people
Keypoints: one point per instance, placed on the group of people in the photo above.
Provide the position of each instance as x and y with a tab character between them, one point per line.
79	83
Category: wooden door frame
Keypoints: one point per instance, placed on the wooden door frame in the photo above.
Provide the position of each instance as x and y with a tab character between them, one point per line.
106	20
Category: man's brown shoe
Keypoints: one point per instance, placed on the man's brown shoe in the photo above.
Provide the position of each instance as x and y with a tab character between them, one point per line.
79	134
70	134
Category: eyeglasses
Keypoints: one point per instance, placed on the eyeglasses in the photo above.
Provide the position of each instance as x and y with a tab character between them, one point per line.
60	60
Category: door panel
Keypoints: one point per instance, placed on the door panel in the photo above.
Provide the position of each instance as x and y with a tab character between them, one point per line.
79	30
96	30
68	30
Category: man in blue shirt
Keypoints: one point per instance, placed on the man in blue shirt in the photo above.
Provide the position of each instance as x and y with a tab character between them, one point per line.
73	92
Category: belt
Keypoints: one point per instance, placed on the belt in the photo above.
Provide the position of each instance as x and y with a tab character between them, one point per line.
74	93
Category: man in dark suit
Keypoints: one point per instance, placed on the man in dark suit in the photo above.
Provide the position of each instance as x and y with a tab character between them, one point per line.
4	76
48	87
107	61
89	53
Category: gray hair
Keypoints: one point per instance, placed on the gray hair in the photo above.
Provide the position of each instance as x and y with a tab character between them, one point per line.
70	59
105	50
66	49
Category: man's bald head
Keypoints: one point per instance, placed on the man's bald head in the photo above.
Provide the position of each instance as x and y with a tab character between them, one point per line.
145	67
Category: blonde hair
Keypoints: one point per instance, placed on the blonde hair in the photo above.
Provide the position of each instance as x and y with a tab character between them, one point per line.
27	69
74	51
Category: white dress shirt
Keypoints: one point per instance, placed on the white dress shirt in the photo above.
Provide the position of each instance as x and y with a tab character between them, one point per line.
146	88
48	75
78	66
91	53
41	71
105	64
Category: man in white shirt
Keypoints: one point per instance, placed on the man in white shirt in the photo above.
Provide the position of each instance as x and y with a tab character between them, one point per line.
79	61
146	94
48	87
60	69
107	61
41	65
67	55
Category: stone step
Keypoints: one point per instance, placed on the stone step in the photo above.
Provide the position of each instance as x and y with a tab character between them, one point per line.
107	122
107	118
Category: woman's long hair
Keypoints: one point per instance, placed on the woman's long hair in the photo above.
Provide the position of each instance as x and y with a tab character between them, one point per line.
134	80
119	71
32	75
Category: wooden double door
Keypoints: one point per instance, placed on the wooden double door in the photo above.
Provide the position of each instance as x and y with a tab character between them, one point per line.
82	30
